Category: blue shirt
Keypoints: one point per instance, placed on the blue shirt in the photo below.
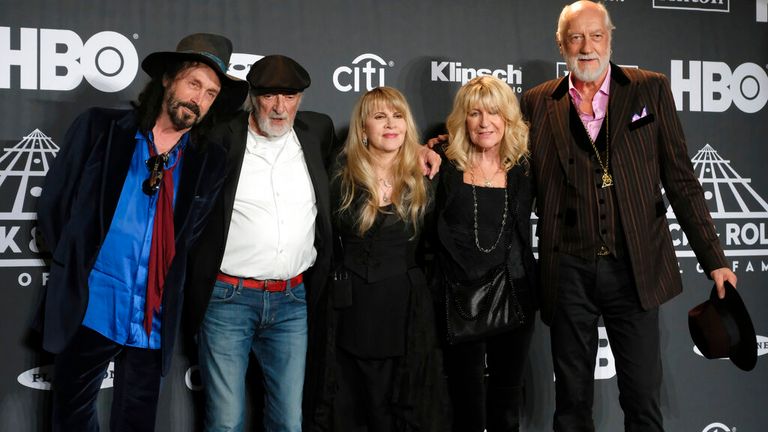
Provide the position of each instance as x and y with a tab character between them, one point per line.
118	281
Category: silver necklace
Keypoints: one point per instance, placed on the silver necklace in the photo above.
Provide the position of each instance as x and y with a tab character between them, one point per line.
503	218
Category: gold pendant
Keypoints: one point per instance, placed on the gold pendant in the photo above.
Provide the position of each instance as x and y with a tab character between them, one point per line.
607	180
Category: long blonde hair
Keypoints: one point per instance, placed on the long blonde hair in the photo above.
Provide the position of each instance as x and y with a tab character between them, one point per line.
358	178
494	95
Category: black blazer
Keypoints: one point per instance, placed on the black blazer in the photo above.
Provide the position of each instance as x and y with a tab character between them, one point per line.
318	140
76	208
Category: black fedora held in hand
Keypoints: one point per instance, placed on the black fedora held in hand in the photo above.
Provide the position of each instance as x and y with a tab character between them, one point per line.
722	328
211	49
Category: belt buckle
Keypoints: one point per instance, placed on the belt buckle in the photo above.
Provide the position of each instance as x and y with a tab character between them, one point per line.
275	285
603	251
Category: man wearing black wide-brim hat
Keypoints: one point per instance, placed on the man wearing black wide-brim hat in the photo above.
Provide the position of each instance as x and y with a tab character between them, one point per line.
257	272
123	201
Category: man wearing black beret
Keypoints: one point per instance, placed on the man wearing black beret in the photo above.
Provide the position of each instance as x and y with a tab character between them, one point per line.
257	272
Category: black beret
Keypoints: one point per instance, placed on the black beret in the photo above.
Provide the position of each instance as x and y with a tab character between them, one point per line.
278	74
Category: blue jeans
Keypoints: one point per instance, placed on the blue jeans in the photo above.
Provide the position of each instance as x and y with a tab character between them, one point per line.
274	326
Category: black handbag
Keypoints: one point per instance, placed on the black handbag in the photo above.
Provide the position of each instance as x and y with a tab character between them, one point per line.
481	309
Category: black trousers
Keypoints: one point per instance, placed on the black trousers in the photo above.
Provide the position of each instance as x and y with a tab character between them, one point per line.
494	404
78	372
588	290
362	402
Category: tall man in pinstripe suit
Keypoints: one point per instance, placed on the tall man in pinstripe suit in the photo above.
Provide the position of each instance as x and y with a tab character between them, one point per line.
604	141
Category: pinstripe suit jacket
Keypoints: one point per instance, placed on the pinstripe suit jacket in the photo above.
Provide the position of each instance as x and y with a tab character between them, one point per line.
646	155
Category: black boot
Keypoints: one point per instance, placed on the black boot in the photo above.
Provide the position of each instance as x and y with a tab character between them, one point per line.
468	404
503	408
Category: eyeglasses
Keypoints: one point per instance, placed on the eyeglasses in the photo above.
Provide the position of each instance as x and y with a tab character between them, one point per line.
156	165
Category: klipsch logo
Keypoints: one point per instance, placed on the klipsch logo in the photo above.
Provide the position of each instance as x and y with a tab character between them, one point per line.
22	170
714	86
449	71
366	73
240	64
40	378
739	213
54	59
699	5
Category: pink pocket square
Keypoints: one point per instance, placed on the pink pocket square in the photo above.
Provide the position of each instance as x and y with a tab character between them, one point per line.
636	117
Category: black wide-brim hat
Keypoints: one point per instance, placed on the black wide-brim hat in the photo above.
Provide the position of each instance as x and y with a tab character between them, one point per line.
722	328
278	74
213	50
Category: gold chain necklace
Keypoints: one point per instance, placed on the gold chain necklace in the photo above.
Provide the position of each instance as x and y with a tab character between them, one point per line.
386	185
607	178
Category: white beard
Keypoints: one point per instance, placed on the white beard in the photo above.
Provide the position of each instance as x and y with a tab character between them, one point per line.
587	75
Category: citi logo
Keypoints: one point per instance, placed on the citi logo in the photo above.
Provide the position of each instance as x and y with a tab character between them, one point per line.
448	71
56	59
367	70
717	427
40	378
240	64
714	87
700	5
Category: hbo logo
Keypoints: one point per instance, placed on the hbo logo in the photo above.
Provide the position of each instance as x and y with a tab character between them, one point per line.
108	60
713	86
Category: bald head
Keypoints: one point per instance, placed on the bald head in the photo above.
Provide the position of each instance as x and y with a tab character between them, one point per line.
584	38
576	8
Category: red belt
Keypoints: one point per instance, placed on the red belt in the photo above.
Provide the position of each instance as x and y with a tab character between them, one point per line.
270	285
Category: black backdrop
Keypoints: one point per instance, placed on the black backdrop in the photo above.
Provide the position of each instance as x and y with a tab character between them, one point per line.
59	57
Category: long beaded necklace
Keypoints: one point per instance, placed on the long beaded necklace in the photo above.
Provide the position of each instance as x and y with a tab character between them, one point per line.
503	217
607	178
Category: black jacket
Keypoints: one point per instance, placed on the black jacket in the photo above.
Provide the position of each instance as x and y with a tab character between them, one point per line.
78	202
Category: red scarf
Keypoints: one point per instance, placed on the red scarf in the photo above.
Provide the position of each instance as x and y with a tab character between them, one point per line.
163	247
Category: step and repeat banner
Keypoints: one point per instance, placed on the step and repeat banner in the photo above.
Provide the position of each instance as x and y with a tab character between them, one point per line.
59	57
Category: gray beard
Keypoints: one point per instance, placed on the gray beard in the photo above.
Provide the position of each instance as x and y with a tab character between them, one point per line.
271	131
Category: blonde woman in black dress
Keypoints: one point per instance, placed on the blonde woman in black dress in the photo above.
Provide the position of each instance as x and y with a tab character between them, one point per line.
483	206
383	350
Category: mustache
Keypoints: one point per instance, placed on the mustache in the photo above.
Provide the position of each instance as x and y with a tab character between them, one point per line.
588	57
188	105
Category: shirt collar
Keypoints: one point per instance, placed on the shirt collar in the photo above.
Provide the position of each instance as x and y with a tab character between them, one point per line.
600	100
